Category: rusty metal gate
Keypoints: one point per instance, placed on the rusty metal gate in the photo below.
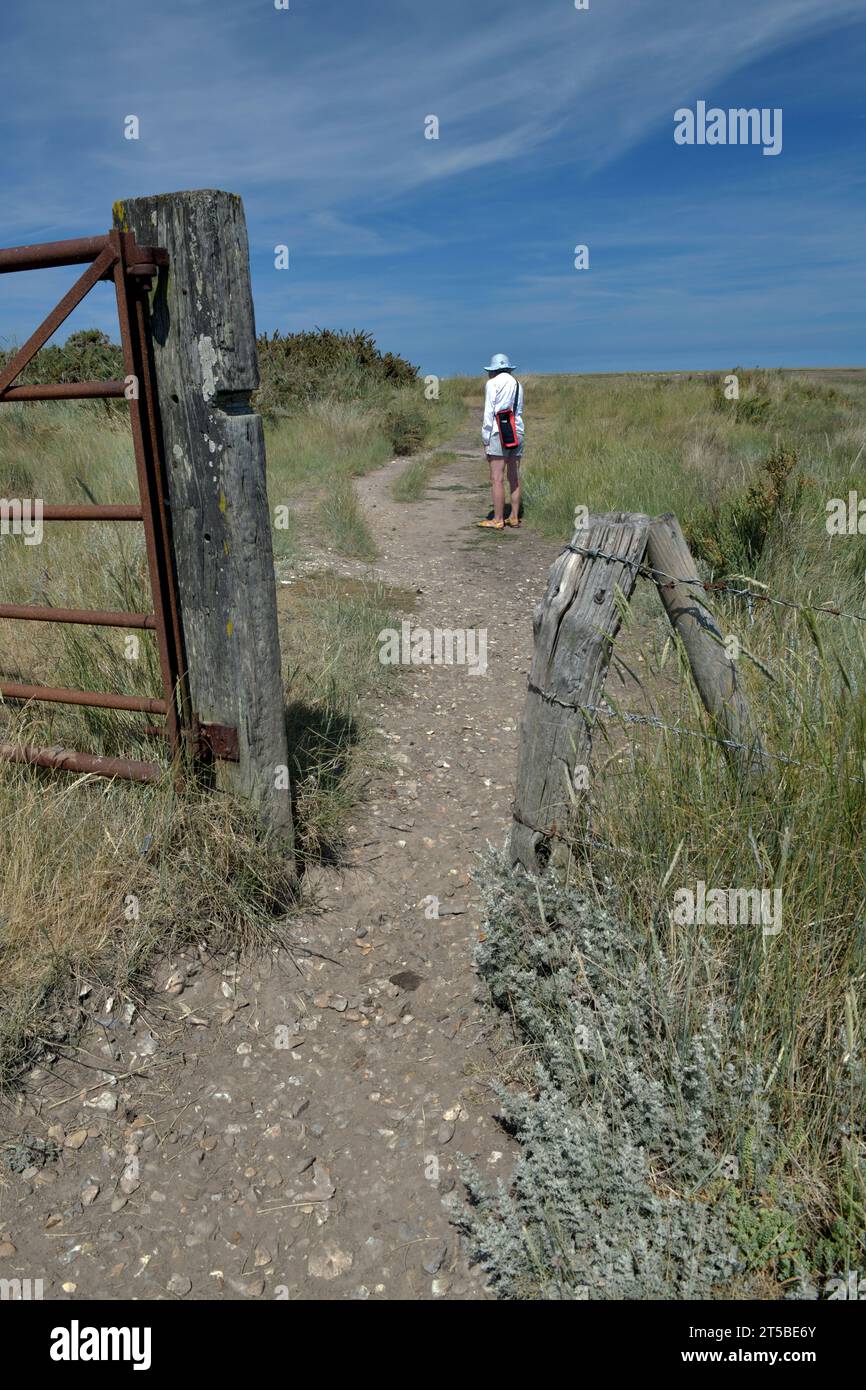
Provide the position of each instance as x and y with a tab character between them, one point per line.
117	257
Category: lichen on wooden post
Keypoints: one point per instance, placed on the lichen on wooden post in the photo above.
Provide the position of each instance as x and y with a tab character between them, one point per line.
715	674
204	348
575	625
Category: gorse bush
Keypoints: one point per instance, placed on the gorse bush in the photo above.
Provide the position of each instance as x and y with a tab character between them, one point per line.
88	355
407	423
730	535
296	368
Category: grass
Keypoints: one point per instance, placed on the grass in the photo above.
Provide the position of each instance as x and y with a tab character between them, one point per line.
750	481
656	444
666	810
331	630
314	454
77	851
411	485
97	879
790	1007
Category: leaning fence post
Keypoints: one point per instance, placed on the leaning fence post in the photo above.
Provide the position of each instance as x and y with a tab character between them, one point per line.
204	350
574	626
715	674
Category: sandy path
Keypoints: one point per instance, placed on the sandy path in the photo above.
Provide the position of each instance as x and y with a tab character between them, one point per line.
303	1144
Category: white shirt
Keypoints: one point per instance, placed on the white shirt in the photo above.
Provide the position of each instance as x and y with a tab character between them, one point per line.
499	395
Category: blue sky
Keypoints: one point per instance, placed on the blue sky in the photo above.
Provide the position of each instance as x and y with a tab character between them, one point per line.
556	128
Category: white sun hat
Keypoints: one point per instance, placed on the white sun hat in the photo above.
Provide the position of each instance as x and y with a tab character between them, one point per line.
499	363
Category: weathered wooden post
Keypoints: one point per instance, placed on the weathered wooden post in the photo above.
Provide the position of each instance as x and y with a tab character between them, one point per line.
204	347
574	626
715	674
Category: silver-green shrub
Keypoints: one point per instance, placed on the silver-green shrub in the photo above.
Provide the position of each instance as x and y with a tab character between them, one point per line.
619	1189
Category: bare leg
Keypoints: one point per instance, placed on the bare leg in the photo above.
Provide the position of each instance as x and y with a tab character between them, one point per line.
497	486
514	487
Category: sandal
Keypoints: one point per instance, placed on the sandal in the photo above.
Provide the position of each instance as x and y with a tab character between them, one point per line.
513	521
491	525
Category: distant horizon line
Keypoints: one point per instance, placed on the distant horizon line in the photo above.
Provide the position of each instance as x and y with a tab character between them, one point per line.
12	345
682	371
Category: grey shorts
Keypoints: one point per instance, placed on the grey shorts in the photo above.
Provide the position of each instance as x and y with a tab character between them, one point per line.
495	450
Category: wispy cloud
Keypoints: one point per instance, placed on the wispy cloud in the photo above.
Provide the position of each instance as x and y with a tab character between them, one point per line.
228	92
316	116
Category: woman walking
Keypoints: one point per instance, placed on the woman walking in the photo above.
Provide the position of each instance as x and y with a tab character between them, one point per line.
502	434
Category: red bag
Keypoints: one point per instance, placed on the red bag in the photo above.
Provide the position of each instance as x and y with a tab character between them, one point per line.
507	424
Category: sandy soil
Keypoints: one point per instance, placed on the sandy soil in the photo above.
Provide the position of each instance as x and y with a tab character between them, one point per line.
300	1139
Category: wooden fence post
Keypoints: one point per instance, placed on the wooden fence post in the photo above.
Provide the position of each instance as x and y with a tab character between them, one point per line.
574	626
715	674
204	346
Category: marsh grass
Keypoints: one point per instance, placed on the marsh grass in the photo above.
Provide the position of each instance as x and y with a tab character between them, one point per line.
73	849
411	485
793	1002
314	455
335	671
667	809
656	444
99	879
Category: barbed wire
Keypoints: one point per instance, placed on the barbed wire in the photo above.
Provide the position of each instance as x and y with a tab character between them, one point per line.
551	833
752	595
651	720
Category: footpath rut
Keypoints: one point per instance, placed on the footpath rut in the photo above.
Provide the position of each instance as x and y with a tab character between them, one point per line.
300	1140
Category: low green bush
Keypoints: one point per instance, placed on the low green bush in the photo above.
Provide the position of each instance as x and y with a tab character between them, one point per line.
618	1191
730	535
407	423
296	368
88	355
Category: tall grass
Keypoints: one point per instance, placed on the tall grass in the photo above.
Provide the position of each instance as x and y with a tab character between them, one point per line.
666	809
97	879
411	485
75	851
314	454
658	444
330	634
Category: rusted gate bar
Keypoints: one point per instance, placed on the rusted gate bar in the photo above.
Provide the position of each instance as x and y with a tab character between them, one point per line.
199	455
61	695
117	257
68	391
66	760
109	511
52	253
148	464
93	617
